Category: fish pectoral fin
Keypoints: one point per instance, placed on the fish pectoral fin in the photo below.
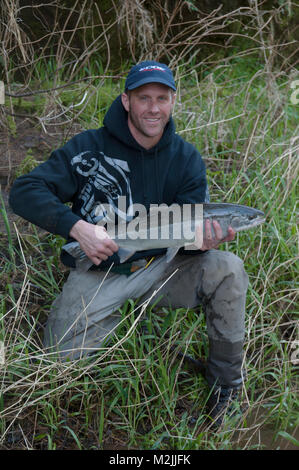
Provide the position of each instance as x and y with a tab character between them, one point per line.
125	254
171	252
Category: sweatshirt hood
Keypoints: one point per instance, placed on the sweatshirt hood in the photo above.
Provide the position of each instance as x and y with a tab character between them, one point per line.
116	122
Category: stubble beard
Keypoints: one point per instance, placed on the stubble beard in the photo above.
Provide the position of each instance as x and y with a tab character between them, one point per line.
142	129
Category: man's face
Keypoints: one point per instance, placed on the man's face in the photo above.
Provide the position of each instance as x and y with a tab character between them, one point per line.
149	108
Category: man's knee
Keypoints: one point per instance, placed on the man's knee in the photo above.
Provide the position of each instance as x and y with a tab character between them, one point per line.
219	266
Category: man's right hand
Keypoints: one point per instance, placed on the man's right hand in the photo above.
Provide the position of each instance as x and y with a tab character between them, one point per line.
94	241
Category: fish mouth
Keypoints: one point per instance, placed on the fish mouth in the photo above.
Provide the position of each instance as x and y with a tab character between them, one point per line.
253	223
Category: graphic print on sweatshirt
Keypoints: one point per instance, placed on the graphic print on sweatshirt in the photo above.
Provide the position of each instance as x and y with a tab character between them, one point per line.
107	179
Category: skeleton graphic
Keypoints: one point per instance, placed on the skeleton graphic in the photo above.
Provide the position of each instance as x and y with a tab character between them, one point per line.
106	182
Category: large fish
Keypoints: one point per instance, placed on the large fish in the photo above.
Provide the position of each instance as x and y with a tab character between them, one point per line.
171	227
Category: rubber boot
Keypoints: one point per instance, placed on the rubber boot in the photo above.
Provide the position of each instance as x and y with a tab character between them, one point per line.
224	364
224	376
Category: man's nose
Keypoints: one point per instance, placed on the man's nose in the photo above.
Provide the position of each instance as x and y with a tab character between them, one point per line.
154	108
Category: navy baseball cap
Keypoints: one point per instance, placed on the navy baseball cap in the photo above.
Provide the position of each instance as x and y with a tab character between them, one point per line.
149	71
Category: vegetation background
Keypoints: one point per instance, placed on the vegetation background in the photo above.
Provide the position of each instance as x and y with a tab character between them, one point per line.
236	66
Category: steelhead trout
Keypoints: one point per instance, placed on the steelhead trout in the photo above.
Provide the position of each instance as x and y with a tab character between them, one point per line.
171	227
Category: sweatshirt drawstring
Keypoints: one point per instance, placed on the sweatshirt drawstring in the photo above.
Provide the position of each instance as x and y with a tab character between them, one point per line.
157	176
143	177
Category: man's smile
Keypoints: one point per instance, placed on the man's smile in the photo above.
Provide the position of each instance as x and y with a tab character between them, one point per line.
152	120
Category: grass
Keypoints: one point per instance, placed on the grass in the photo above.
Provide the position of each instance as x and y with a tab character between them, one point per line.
138	394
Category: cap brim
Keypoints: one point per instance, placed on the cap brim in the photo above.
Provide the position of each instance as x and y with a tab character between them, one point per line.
145	81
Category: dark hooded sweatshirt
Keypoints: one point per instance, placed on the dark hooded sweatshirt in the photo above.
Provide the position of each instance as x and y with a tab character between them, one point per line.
98	166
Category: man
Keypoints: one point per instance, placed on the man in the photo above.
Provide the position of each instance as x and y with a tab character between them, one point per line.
138	156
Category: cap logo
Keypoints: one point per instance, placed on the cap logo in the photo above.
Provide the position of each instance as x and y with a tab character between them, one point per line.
151	68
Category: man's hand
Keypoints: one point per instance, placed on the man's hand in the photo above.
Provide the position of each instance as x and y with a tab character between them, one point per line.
209	242
94	241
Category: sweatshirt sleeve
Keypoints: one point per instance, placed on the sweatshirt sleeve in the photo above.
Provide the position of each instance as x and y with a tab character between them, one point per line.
40	196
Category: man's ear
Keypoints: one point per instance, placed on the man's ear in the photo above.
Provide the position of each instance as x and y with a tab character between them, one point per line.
125	101
173	99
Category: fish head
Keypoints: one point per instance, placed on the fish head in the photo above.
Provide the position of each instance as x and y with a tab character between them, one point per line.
243	217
